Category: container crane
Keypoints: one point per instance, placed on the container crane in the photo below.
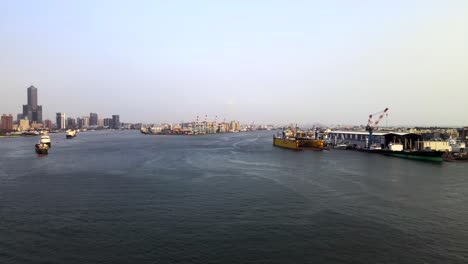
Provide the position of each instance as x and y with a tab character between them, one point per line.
373	124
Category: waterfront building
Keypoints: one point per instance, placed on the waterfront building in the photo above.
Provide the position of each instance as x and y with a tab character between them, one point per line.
100	123
48	124
355	138
6	123
93	119
32	110
115	121
85	122
136	126
465	133
71	123
235	126
23	125
360	139
79	123
60	119
36	125
108	122
19	117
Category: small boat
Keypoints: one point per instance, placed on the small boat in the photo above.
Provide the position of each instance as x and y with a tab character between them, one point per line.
375	147
342	146
30	133
42	148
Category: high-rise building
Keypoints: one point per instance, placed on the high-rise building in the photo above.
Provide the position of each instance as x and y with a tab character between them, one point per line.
32	96
23	125
79	123
60	118
100	122
115	121
71	123
108	122
48	124
93	119
85	122
7	123
19	117
32	110
235	126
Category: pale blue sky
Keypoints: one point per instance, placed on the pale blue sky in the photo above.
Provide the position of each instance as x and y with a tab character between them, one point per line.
263	61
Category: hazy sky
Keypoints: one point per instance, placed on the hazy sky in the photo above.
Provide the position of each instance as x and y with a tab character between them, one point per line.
263	61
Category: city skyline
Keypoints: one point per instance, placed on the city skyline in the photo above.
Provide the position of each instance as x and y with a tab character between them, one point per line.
268	62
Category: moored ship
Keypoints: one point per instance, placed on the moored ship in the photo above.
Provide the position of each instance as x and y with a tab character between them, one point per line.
297	140
411	154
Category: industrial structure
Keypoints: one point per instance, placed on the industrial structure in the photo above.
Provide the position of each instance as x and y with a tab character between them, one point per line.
371	125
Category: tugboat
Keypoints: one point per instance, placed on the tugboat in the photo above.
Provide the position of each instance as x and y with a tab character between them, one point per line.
71	133
42	148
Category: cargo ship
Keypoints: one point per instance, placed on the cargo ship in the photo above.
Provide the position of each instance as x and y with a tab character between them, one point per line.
298	141
417	154
396	150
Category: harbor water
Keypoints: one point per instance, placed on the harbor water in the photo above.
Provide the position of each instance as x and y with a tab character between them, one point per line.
124	197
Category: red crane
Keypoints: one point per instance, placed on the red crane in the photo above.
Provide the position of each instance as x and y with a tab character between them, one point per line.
372	124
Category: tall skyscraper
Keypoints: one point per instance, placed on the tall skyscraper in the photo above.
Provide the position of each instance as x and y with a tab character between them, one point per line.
93	119
115	121
79	123
108	122
7	123
32	110
60	118
48	124
71	123
32	96
85	121
19	117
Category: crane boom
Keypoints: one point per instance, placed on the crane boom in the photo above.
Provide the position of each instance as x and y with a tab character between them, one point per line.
372	124
376	122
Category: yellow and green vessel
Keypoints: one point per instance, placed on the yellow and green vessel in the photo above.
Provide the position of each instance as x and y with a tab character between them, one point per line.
298	141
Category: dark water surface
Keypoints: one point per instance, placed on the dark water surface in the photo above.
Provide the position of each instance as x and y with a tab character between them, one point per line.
123	197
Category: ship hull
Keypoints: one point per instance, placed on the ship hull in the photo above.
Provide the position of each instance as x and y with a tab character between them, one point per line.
42	149
298	144
416	155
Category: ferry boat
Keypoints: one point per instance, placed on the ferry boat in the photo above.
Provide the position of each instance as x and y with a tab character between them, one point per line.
298	141
71	133
45	139
144	130
42	148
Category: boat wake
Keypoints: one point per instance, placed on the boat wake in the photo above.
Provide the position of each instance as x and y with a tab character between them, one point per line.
251	140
